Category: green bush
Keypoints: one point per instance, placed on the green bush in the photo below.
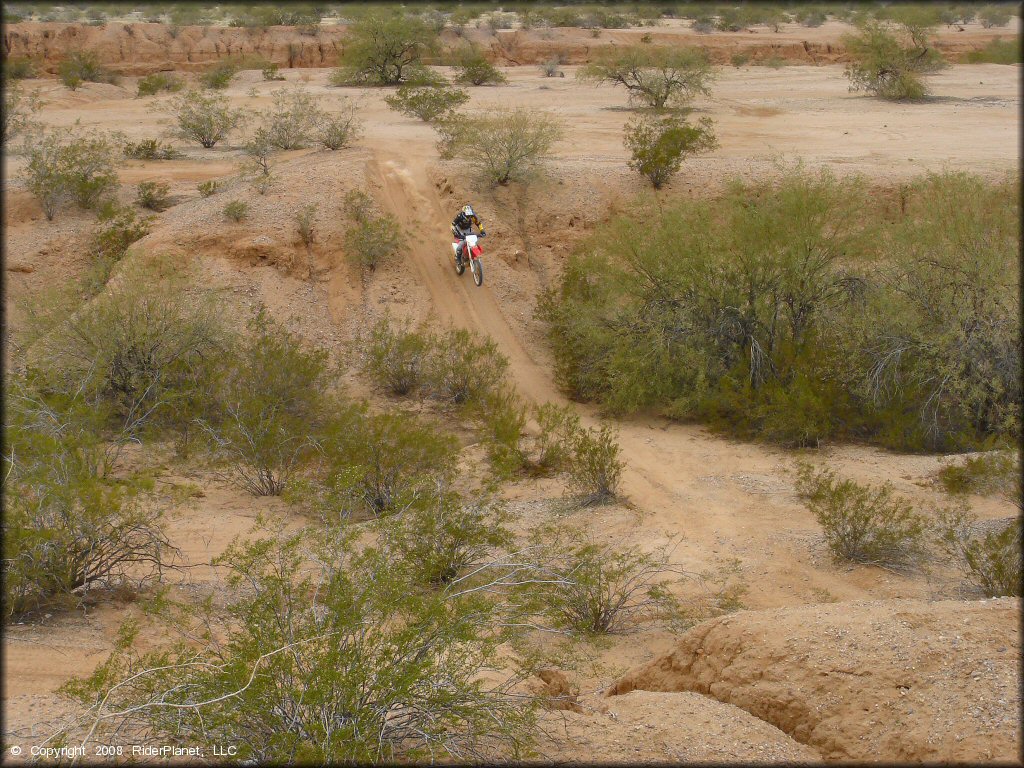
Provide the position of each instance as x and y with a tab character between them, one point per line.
208	188
653	77
236	210
83	67
70	164
372	241
559	426
18	110
426	103
338	130
270	73
502	415
552	68
384	49
502	146
997	52
203	118
862	524
150	85
292	121
305	221
150	149
885	65
594	466
111	240
994	16
153	195
994	472
991	561
463	370
395	358
19	68
658	146
66	526
261	427
218	77
385	671
474	69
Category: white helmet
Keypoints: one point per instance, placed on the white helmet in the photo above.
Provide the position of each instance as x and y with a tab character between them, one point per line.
468	210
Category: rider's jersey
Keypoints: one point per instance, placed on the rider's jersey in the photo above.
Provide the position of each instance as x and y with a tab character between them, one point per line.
463	224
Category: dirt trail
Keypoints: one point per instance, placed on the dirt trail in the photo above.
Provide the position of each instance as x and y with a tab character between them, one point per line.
684	481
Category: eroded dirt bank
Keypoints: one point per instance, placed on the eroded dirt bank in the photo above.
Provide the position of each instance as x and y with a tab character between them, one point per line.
141	48
900	680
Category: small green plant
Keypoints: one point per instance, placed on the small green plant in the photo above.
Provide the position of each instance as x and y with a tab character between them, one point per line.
997	52
117	230
552	68
862	524
991	560
150	85
70	164
83	67
305	221
993	472
594	466
372	241
462	369
658	145
739	59
208	188
291	122
18	110
153	195
426	103
219	76
256	166
888	62
395	357
236	210
474	69
338	129
502	415
559	424
19	68
150	149
203	118
270	73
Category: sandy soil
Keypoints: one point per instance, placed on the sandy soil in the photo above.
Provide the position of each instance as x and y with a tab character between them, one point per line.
719	498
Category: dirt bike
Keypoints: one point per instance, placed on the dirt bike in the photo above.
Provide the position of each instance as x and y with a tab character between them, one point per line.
476	266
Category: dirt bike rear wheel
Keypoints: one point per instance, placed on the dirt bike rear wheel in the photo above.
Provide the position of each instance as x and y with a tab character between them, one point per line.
478	271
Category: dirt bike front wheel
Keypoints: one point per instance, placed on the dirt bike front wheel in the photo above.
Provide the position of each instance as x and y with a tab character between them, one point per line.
460	266
478	271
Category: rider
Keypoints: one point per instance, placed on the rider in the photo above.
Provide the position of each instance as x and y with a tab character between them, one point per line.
462	225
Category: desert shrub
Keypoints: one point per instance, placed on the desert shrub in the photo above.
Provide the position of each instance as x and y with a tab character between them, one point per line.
862	524
208	188
888	63
236	210
150	149
292	121
939	355
255	168
83	67
18	68
338	130
384	670
474	69
260	426
703	24
594	466
18	110
67	527
218	77
153	195
445	536
380	464
552	68
270	73
739	59
372	240
462	369
502	414
305	220
428	104
598	590
658	145
73	165
114	234
653	77
395	358
134	344
203	118
997	52
502	146
559	426
150	85
384	49
993	472
811	17
991	560
994	16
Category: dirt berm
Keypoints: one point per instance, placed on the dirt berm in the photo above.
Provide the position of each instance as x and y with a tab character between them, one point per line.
900	680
